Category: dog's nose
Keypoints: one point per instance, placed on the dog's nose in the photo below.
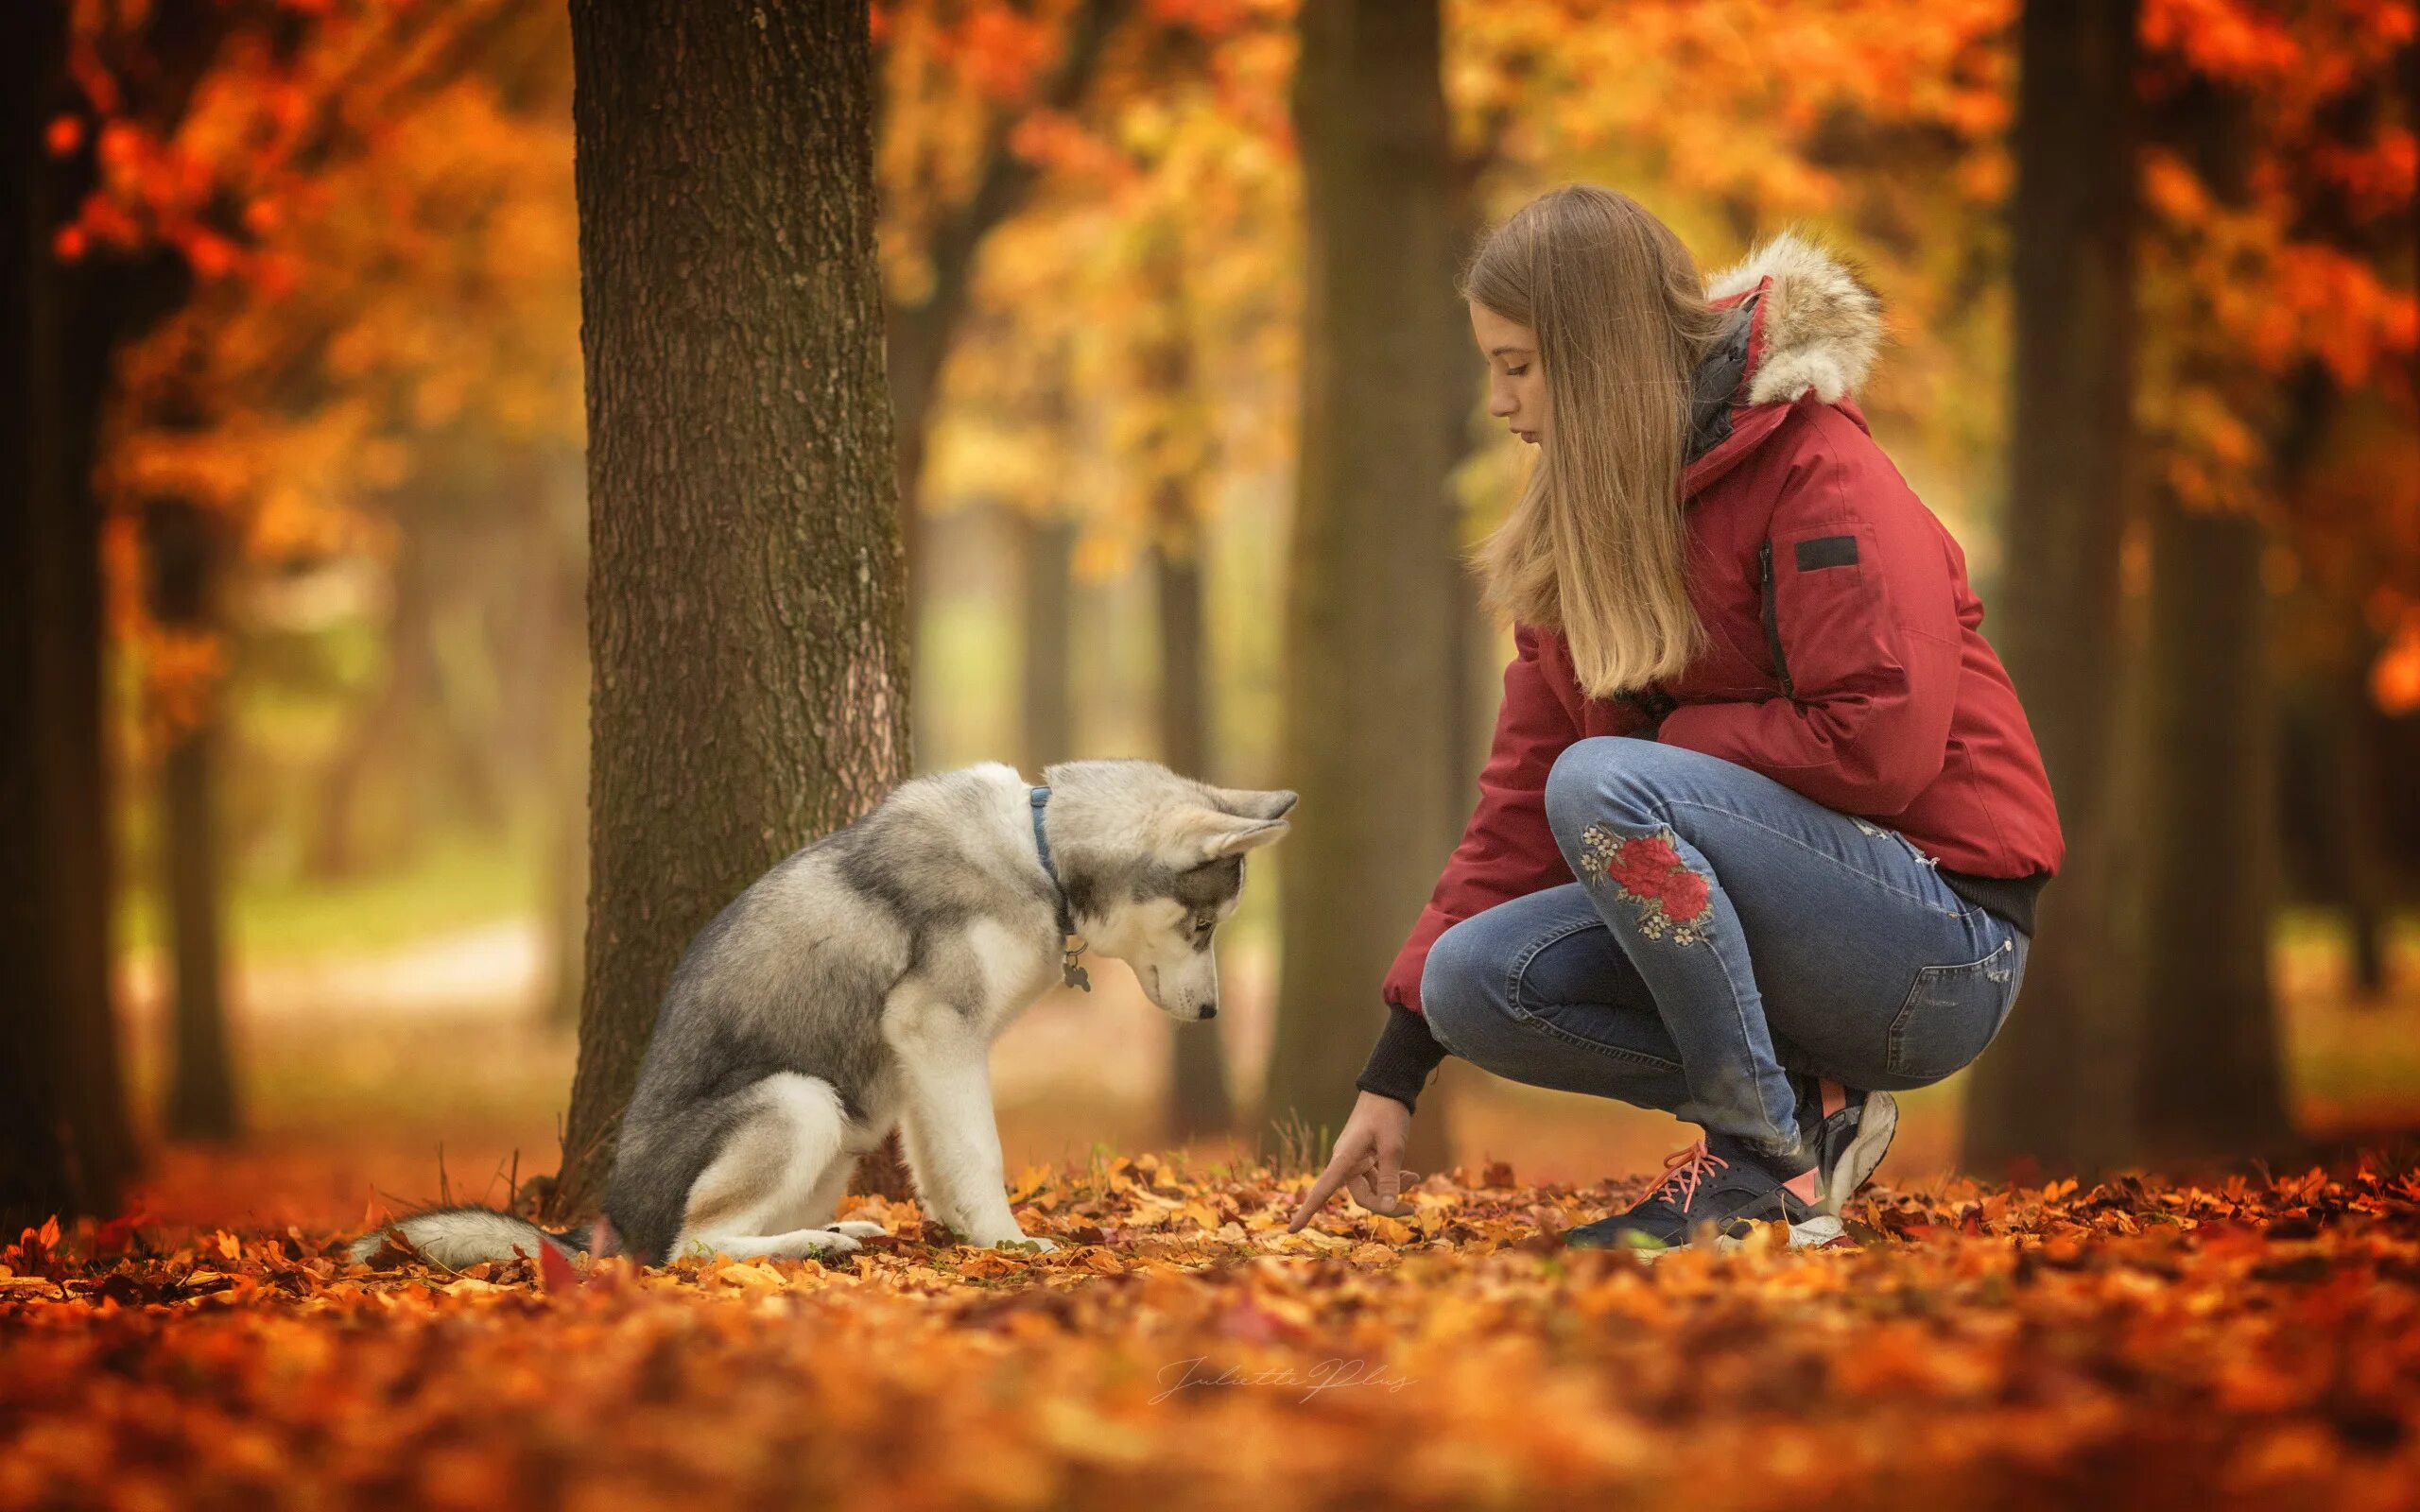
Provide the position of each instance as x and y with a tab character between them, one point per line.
1209	1010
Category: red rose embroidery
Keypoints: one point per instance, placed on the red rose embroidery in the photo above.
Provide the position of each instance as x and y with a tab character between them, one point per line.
1685	895
1649	870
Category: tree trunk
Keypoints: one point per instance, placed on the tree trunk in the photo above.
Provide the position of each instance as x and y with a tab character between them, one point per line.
65	1143
186	555
1199	1100
2208	1082
746	596
1176	452
1047	711
2352	787
1368	734
45	653
2052	1090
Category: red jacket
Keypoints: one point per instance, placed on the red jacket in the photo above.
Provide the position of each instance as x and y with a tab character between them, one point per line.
1845	657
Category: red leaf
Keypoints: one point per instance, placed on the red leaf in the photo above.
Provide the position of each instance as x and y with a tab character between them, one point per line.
556	1271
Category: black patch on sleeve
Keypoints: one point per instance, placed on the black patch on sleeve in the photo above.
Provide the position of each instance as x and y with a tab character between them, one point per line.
1826	551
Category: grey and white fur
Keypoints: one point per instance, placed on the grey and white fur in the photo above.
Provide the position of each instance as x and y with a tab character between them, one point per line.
857	986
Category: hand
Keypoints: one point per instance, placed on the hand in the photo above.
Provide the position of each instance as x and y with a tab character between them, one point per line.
1367	1161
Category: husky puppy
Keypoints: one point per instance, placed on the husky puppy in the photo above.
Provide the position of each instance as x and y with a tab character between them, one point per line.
857	986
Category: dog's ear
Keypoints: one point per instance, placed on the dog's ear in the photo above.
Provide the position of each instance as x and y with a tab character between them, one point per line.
1213	834
1251	803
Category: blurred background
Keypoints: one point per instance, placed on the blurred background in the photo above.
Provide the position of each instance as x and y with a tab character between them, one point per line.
326	385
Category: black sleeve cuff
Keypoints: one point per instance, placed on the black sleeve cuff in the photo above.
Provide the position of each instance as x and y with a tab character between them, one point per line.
1404	1059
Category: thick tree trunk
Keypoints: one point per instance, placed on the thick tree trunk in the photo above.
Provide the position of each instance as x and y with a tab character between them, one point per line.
2209	1081
1368	734
44	656
65	1143
186	555
746	596
2052	1089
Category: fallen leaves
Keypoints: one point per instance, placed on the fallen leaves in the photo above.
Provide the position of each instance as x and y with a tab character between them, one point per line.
2132	1342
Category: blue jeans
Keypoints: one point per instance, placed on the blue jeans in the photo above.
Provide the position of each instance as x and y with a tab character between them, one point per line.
1727	931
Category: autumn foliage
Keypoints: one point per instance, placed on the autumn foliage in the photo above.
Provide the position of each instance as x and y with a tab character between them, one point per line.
2136	1343
353	227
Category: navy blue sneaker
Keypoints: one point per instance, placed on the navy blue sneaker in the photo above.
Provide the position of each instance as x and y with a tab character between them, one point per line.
1849	1132
1720	1186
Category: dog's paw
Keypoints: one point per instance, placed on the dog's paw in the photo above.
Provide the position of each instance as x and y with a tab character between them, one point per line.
800	1244
858	1229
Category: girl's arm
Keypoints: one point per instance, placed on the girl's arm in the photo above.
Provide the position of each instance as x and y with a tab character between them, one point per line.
1506	851
1861	620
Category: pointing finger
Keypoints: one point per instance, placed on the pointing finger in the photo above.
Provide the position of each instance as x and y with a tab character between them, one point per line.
1317	1197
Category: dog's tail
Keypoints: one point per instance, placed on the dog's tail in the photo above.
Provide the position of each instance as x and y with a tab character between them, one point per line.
458	1238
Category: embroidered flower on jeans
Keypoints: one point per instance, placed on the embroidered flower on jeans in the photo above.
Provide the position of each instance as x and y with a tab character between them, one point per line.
1674	903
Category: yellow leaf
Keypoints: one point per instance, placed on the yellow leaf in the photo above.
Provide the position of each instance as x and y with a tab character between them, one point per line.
1388	1230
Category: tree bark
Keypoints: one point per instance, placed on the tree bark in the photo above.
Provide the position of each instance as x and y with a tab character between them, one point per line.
2209	1081
2053	1089
42	654
64	1142
746	590
186	555
1368	734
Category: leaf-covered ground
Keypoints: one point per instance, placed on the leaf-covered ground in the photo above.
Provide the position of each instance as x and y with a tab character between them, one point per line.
2130	1344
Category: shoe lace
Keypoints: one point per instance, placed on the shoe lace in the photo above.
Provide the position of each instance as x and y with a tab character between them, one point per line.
1684	1171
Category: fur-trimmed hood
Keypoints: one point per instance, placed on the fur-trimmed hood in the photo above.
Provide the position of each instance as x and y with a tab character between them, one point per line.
1817	323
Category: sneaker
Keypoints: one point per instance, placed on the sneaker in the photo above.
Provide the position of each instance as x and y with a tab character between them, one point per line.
1849	1131
1721	1184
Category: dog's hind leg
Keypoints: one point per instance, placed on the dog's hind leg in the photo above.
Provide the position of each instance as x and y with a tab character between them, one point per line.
764	1186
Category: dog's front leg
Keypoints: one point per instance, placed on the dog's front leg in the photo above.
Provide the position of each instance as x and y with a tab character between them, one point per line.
953	1144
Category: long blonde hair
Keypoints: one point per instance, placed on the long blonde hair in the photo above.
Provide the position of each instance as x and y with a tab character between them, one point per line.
1596	546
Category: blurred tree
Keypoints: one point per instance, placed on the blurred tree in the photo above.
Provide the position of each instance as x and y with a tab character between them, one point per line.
746	595
959	79
63	1143
1175	444
1368	737
1050	530
1113	374
2272	151
185	542
2207	1077
375	178
130	226
2053	1087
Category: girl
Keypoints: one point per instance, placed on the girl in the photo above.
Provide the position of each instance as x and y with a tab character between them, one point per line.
1752	713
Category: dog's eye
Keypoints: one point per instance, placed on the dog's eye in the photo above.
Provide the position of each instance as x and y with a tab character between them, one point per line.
1202	925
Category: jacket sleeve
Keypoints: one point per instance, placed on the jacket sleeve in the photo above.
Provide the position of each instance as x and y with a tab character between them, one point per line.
1861	623
1507	850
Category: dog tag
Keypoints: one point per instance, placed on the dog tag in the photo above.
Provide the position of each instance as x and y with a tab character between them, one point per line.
1074	975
